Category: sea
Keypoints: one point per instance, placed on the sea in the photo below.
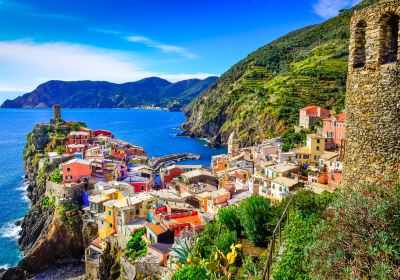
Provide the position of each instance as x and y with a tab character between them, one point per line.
155	130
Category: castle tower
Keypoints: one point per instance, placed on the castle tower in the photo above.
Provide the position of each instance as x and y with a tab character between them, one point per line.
373	95
233	145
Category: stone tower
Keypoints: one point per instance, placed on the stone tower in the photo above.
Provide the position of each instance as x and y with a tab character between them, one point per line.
373	95
233	145
56	114
57	111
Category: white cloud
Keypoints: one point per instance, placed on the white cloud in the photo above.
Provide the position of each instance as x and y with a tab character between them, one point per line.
25	64
160	46
329	8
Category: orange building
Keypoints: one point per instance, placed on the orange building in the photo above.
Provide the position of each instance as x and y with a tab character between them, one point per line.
219	163
76	170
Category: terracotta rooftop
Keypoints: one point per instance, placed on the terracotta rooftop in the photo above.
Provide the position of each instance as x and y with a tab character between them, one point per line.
157	229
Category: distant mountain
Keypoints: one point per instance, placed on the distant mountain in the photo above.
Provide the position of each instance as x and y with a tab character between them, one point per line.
96	94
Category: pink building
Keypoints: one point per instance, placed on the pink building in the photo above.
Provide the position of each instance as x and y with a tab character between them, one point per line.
310	114
76	170
334	129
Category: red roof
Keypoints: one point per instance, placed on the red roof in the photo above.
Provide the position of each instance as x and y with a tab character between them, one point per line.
309	107
340	117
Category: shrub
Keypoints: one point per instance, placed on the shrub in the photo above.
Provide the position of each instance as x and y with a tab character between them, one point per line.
191	272
136	247
60	149
229	217
359	237
56	176
48	202
257	219
224	240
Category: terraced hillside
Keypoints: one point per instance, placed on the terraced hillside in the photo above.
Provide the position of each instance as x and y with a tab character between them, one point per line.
260	96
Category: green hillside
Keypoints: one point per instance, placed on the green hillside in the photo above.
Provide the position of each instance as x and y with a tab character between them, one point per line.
260	95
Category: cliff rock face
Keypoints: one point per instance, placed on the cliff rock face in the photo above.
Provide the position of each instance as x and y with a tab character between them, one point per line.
259	97
56	242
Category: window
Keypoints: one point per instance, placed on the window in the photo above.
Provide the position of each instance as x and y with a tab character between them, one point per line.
137	211
110	225
68	169
318	141
142	188
306	157
109	213
317	148
359	41
339	134
389	35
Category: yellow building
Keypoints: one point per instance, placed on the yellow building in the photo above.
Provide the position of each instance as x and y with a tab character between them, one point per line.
310	153
109	225
112	194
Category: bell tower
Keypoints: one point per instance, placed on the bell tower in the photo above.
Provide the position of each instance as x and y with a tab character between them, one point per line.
233	145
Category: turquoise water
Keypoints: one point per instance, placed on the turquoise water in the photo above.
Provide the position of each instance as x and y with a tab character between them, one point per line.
152	129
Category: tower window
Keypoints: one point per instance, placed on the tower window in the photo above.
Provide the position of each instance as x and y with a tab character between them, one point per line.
359	52
389	35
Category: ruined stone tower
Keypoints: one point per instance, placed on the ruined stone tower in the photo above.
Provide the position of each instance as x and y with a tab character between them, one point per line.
373	95
56	114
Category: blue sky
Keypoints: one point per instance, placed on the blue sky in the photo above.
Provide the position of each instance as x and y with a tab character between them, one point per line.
126	40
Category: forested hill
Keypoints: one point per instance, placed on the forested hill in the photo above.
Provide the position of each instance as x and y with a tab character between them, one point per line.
92	94
260	96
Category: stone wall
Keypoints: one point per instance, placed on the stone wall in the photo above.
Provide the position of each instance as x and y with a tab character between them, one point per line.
61	191
372	98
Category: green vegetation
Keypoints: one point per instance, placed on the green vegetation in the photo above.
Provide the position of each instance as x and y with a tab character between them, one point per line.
48	202
56	176
60	149
257	219
260	96
354	234
136	247
293	139
191	272
64	209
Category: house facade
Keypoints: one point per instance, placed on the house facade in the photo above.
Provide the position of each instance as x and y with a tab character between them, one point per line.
334	129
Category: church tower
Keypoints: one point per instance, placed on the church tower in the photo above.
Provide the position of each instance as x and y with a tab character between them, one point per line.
233	145
373	95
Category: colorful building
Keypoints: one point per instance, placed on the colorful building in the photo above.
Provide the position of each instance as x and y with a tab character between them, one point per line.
310	114
310	153
334	129
78	137
76	170
219	163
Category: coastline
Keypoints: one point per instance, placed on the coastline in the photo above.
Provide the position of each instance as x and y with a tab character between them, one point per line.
21	187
